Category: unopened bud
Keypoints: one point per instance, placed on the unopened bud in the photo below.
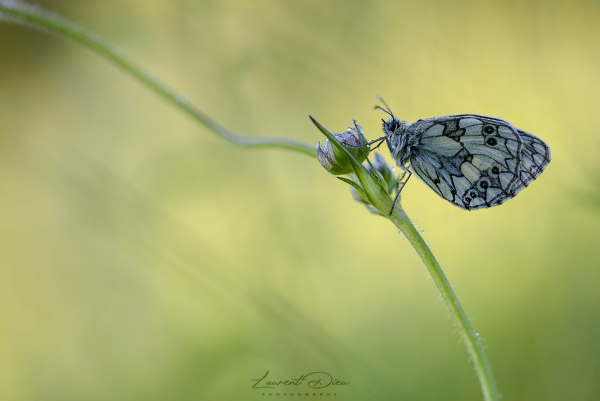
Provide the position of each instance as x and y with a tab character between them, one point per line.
387	172
335	160
386	178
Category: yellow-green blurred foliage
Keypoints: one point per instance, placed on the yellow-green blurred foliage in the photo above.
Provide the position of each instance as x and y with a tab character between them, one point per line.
143	258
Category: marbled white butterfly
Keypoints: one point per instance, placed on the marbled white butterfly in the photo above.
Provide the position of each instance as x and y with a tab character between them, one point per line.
471	161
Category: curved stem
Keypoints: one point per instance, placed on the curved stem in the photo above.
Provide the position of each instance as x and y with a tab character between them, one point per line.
17	11
482	365
24	13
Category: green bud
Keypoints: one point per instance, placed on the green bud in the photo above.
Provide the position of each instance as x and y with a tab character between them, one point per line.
385	175
334	160
387	172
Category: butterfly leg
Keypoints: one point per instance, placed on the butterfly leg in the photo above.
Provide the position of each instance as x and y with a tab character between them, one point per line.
380	140
402	183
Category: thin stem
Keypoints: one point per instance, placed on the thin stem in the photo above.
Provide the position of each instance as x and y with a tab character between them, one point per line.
17	11
24	13
482	365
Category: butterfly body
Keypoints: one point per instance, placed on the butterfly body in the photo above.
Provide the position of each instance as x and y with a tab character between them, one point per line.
472	161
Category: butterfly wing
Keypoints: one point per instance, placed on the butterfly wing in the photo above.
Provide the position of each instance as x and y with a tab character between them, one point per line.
535	156
476	161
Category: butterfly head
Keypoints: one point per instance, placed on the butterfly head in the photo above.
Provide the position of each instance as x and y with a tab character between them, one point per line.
395	136
394	127
395	131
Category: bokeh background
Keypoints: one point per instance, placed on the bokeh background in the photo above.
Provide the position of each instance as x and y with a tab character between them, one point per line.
143	258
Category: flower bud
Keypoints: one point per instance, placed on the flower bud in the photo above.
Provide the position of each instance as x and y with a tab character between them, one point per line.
337	162
387	172
386	178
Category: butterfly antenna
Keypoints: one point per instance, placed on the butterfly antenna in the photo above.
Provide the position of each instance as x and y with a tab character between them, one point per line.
387	109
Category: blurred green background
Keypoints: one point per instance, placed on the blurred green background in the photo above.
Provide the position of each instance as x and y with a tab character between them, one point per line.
143	258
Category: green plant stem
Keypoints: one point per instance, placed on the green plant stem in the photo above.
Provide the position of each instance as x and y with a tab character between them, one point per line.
20	12
24	13
482	365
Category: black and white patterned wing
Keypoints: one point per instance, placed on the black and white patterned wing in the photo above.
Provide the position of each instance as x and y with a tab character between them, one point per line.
476	161
535	156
